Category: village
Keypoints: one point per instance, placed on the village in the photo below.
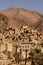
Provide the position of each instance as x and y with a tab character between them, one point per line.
16	45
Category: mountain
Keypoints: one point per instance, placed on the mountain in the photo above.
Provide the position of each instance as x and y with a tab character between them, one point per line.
16	17
39	24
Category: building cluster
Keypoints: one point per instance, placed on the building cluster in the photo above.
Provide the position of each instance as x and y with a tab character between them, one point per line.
14	40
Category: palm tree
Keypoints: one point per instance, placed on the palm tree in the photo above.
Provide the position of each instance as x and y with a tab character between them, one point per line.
36	56
26	56
17	55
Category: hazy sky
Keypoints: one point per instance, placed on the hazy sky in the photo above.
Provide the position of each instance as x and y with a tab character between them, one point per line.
27	4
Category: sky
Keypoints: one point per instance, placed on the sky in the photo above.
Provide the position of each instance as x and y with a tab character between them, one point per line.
36	5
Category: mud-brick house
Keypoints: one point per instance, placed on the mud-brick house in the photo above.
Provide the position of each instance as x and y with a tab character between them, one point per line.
5	46
25	46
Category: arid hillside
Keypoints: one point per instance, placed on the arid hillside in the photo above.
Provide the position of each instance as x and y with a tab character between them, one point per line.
16	17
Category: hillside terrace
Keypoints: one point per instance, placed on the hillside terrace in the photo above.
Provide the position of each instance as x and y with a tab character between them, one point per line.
12	40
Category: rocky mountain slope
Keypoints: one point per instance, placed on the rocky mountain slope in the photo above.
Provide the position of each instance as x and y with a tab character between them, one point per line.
16	17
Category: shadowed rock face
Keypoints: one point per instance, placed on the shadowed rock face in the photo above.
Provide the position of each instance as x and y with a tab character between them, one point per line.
3	22
16	17
39	24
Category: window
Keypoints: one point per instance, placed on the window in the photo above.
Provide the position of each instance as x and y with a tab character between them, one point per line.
28	46
25	46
